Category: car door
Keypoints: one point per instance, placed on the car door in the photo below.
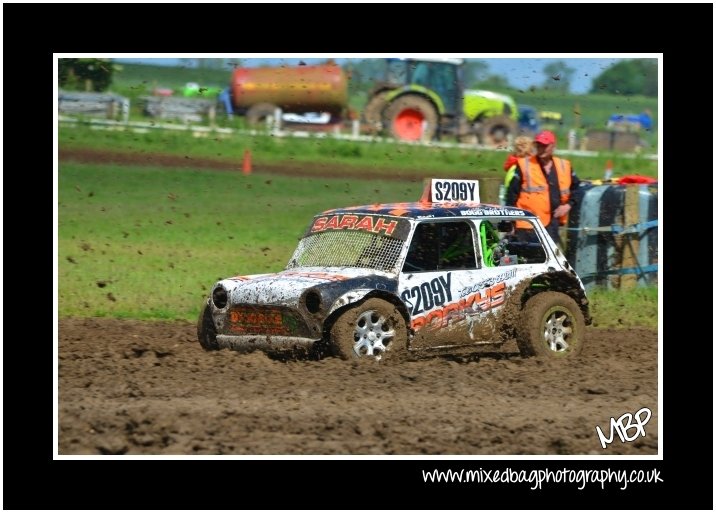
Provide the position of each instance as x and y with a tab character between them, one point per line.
509	257
458	275
441	262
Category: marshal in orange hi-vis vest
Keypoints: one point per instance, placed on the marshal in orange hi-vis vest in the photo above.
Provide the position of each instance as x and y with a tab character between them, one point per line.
534	193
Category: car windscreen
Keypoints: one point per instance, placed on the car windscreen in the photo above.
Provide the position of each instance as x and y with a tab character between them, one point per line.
352	240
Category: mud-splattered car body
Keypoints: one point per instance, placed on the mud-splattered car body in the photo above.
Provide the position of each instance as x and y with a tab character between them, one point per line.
406	276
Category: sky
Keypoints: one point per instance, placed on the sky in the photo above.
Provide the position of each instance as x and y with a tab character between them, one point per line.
521	72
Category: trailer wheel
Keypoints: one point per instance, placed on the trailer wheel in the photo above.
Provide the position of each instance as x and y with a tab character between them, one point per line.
411	118
373	111
258	113
497	131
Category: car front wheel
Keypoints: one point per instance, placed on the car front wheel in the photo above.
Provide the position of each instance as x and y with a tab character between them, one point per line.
373	330
552	326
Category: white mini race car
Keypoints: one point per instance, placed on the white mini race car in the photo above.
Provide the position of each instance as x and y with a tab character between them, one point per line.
377	280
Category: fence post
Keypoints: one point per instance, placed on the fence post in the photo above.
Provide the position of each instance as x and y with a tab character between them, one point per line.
277	120
111	109
572	139
125	110
630	241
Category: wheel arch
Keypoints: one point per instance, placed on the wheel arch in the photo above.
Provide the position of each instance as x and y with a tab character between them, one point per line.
560	281
416	90
377	294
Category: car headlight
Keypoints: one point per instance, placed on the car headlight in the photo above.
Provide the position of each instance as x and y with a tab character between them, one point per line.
219	297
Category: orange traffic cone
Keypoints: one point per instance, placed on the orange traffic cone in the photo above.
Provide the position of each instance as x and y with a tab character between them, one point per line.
608	171
246	164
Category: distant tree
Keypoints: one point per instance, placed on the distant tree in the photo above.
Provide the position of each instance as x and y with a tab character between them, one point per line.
629	77
86	74
492	82
558	76
364	73
211	63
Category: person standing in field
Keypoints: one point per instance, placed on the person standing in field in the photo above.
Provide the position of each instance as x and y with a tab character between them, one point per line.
545	185
523	147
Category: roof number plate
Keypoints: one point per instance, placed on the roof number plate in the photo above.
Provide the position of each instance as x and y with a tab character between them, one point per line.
454	191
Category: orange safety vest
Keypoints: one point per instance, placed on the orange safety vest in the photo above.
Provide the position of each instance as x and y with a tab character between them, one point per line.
534	193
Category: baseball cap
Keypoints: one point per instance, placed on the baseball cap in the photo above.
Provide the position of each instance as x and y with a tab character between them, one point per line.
545	137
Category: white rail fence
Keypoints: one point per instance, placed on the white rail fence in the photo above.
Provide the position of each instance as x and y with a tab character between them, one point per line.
193	112
103	105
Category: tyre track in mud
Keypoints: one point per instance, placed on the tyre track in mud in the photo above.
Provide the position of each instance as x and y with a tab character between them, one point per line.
140	387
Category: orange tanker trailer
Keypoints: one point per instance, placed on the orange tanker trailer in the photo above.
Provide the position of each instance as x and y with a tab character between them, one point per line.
318	91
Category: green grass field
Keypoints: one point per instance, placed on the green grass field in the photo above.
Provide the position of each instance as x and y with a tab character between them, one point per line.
148	243
590	111
390	158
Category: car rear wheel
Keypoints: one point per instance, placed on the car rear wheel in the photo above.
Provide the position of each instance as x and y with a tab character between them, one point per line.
373	330
552	326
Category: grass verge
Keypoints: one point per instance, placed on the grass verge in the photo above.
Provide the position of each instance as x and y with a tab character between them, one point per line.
148	243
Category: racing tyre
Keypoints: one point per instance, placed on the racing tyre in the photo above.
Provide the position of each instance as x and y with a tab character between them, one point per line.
206	330
257	114
552	326
497	131
371	330
411	118
373	112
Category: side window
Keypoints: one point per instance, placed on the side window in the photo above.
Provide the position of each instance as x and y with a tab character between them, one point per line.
421	74
397	73
443	82
441	247
506	242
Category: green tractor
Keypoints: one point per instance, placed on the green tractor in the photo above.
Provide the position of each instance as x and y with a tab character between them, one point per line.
425	99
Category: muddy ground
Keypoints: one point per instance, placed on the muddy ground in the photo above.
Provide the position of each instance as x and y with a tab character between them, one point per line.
135	387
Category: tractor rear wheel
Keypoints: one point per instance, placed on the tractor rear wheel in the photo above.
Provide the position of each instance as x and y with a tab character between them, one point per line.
411	118
373	112
497	131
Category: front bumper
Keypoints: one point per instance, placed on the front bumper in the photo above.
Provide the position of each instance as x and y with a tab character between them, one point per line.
248	343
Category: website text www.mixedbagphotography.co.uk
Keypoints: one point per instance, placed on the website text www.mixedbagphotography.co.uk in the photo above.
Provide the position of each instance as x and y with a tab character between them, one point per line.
537	478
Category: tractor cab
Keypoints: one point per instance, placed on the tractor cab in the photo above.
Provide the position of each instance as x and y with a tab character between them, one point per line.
426	99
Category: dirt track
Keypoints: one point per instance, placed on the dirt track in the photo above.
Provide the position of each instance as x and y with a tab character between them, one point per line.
131	387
